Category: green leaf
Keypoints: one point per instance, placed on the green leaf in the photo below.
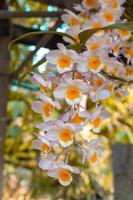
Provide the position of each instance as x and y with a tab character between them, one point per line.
76	47
39	33
32	68
85	35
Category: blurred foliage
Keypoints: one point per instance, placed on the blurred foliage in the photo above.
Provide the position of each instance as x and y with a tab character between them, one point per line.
24	180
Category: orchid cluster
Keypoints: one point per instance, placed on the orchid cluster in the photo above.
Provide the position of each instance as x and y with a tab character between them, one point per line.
95	72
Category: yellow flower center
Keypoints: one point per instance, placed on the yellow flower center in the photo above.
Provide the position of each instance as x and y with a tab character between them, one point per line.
118	94
108	16
97	25
124	33
94	158
73	21
90	3
43	88
110	87
77	119
64	61
93	46
66	135
99	82
94	62
129	71
129	52
116	48
64	175
114	4
47	109
106	68
72	93
96	122
114	71
45	148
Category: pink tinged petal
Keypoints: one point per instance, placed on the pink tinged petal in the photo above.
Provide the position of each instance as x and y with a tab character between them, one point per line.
82	67
84	158
45	126
65	18
45	164
74	170
59	124
84	87
97	141
60	91
78	7
52	134
65	117
34	81
37	144
53	173
46	161
57	105
39	79
84	114
37	106
44	139
52	56
45	98
62	48
96	112
101	95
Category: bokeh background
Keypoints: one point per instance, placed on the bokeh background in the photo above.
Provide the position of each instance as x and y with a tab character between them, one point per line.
23	178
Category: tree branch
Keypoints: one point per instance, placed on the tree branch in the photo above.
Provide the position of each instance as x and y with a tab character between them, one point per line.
116	79
23	14
59	3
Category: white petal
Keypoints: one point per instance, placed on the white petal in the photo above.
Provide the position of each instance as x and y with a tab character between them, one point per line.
46	161
52	56
59	92
45	98
82	67
73	102
45	126
53	173
52	134
62	48
65	144
100	95
37	106
36	144
39	79
57	105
